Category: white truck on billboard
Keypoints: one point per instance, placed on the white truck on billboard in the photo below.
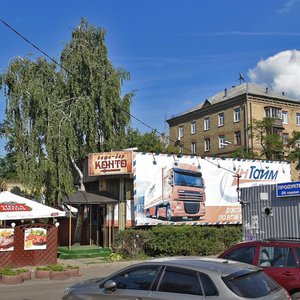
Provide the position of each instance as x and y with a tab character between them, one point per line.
189	189
177	191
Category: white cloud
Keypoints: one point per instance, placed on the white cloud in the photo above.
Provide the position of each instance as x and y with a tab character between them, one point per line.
287	6
281	72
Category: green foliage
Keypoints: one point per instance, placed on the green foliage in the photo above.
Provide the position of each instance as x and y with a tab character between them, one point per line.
241	152
44	268
8	167
8	272
294	154
148	142
56	116
58	268
115	257
22	270
271	142
176	240
11	271
131	243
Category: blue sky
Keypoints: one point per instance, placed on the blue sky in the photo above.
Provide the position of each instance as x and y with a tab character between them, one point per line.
178	52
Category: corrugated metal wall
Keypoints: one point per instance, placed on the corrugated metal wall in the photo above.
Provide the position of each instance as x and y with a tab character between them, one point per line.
283	221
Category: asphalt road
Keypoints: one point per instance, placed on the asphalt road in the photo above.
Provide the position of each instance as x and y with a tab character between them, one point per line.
46	289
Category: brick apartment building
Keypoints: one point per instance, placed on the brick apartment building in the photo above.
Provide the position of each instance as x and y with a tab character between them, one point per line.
220	125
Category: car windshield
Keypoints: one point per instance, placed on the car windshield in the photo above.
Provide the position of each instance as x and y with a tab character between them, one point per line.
263	284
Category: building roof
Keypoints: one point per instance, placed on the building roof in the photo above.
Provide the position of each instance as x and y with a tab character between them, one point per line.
235	91
81	197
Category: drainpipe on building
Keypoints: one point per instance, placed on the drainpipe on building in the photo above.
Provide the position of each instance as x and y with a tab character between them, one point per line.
122	205
246	143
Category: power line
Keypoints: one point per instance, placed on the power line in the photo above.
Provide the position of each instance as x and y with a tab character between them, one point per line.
70	73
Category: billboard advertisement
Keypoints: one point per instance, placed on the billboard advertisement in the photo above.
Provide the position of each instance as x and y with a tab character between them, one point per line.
6	239
182	189
35	238
110	163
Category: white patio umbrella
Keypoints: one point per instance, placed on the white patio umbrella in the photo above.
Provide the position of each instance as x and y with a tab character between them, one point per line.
14	207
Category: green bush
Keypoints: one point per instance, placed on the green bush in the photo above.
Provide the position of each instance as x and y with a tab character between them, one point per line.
131	243
44	268
58	268
8	271
22	270
176	240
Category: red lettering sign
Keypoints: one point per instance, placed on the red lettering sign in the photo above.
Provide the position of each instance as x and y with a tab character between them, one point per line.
14	206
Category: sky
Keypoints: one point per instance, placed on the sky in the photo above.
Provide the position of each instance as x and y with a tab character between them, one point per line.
178	52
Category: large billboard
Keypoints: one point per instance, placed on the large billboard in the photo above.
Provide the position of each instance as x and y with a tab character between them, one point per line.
172	189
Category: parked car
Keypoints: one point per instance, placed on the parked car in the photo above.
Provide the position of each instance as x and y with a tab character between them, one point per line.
279	258
185	278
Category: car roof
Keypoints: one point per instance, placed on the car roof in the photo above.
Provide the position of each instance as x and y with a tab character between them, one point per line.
273	241
221	266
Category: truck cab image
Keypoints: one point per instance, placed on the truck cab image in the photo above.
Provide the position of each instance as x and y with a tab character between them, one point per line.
176	192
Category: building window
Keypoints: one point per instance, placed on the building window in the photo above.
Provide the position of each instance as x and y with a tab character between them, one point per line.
221	141
181	148
193	127
298	119
206	123
273	112
237	114
221	119
237	138
206	144
284	116
180	132
285	138
193	147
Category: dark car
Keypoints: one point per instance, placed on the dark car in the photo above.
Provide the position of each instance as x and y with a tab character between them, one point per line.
279	258
188	278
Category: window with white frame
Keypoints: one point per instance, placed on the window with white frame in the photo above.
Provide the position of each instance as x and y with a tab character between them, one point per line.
221	119
298	119
221	141
237	138
237	114
285	138
284	116
193	127
180	132
193	147
206	123
206	144
273	112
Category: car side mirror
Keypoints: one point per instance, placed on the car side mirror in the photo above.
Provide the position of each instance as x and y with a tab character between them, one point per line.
110	286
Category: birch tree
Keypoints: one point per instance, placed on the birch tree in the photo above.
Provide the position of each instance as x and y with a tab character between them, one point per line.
58	113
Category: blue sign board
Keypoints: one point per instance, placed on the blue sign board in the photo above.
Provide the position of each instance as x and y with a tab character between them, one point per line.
288	189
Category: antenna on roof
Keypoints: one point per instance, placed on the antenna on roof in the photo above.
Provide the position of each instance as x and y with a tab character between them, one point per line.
241	78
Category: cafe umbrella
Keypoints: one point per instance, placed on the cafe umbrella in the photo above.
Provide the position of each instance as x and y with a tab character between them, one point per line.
14	207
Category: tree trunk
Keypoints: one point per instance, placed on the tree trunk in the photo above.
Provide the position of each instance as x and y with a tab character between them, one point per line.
78	226
80	213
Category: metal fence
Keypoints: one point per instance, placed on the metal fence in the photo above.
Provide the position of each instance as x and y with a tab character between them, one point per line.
264	215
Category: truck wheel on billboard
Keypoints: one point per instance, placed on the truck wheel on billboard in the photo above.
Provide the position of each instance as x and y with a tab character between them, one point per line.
147	213
168	213
157	213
